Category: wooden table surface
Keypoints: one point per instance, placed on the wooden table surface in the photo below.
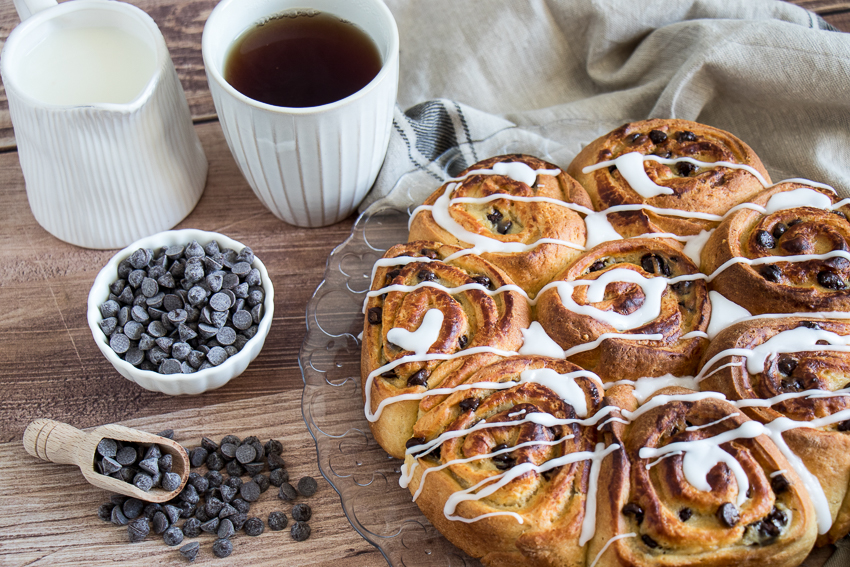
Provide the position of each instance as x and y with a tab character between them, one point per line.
50	366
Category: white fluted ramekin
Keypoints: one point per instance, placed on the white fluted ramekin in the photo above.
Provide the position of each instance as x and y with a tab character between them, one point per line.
176	384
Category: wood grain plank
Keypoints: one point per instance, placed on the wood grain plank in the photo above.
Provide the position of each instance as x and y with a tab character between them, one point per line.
56	522
49	363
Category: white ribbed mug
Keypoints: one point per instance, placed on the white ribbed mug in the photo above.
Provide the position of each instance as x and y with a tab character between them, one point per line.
103	175
309	166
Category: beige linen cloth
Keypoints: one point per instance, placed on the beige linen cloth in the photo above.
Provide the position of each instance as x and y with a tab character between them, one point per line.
482	77
487	76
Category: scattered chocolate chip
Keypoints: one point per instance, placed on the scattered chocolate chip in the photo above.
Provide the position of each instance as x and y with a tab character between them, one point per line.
844	425
172	536
779	229
597	265
287	492
770	272
225	529
301	512
657	136
277	521
133	508
105	512
686	136
253	526
469	404
779	484
462	341
653	263
138	529
685	514
222	548
245	453
192	527
300	531
262	481
250	491
777	517
728	515
190	550
278	476
426	276
307	486
493	217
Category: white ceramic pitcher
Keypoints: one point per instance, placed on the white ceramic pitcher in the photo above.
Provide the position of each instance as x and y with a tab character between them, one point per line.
103	175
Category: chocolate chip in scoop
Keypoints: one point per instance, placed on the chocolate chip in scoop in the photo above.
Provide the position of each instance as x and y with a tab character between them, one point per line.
728	515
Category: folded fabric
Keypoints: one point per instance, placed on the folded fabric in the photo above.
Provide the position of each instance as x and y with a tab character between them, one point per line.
548	77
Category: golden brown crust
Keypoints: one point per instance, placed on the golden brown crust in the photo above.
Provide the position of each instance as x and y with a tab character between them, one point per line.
656	497
472	318
782	287
529	221
684	308
551	504
713	190
824	450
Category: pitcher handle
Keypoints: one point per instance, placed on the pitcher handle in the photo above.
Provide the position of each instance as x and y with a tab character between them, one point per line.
27	8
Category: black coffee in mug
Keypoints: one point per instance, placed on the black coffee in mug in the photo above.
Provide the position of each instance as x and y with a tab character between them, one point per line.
302	59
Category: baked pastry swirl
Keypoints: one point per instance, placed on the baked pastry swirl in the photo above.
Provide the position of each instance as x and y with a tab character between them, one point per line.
798	382
681	172
642	293
656	511
794	220
582	418
511	439
509	229
414	297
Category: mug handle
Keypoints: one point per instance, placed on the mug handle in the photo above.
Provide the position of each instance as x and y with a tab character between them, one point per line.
27	8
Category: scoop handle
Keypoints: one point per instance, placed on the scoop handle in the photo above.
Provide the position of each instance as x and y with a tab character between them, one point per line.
53	441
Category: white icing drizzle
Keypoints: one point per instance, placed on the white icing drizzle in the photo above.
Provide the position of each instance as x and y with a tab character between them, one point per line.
662	457
808	394
599	229
698	427
702	455
800	339
535	340
646	386
630	166
483	456
694	335
516	170
653	289
724	313
588	523
564	385
663	399
419	358
777	473
397	261
802	197
608	543
693	249
420	340
808	182
516	413
496	482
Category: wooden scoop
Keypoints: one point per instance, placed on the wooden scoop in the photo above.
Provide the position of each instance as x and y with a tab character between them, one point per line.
61	443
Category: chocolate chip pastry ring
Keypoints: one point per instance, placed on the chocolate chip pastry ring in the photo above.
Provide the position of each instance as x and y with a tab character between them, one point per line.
694	189
824	449
651	515
470	318
781	286
550	503
455	401
511	221
684	308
